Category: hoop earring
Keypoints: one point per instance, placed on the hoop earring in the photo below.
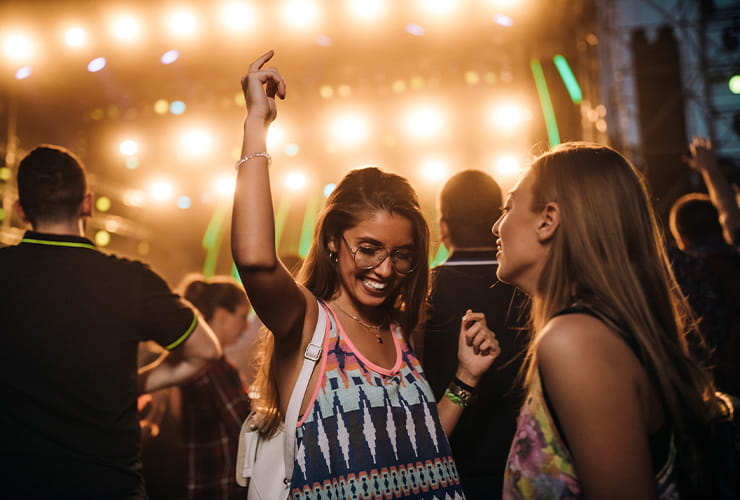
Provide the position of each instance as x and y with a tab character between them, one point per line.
334	257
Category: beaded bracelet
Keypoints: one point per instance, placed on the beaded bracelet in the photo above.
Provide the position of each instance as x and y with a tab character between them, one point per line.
250	156
455	398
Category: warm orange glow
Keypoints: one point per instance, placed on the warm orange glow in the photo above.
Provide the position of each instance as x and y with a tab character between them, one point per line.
424	122
196	142
295	181
326	91
102	238
434	170
350	129
439	7
161	190
161	107
275	136
134	198
182	23
18	47
508	116
507	165
237	16
75	36
126	28
129	147
367	10
225	186
300	13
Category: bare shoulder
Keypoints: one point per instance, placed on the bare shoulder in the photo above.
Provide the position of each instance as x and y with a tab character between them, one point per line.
583	346
593	381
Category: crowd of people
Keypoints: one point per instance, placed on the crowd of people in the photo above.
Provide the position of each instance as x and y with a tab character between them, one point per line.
561	351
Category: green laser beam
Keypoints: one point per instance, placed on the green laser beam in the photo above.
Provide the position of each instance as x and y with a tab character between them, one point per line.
212	239
308	222
548	112
569	79
440	256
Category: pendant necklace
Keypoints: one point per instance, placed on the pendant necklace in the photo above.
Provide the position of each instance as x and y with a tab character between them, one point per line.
374	329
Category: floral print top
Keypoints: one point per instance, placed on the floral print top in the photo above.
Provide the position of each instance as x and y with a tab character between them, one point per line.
540	465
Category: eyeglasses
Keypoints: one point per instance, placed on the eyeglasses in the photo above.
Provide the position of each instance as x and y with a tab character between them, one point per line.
371	256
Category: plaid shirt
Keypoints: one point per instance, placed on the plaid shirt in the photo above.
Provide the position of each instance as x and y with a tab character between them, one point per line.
213	408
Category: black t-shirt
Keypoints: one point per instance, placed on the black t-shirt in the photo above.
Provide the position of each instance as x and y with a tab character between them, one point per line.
72	318
483	435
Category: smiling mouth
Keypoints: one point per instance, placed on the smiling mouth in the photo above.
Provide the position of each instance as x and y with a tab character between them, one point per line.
375	285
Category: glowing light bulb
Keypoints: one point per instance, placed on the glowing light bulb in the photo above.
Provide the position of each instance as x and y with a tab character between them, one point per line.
75	36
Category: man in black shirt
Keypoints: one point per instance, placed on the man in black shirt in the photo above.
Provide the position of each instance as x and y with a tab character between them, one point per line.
72	318
469	204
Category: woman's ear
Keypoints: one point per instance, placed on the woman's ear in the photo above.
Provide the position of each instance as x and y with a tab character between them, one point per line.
549	222
332	245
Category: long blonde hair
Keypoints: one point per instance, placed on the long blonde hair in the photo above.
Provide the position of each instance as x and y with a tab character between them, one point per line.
609	253
360	193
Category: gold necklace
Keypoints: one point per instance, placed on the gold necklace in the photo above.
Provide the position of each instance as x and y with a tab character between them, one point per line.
374	329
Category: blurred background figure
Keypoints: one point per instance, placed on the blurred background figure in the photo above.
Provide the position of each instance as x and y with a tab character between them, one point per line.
469	204
192	431
720	192
214	405
695	226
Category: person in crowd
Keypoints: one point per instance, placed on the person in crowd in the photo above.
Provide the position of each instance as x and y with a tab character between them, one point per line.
616	407
695	225
73	318
215	403
720	191
368	408
469	203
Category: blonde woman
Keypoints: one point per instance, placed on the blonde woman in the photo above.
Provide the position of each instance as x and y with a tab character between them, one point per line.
616	407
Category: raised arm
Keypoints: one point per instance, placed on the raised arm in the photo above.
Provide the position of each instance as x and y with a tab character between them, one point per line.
720	192
477	349
277	299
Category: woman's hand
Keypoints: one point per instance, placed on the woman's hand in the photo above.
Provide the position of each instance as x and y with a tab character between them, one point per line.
260	86
477	348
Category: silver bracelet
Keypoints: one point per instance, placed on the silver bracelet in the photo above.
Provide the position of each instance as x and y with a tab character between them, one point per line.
250	156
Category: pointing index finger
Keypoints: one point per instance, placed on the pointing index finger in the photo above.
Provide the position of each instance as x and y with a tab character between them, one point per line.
261	60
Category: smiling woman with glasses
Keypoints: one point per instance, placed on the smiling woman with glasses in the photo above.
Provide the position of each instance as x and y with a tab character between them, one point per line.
368	406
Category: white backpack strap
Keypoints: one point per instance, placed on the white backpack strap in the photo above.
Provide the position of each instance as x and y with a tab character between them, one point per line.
310	357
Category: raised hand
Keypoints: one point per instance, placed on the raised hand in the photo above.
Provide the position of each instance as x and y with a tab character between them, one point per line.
702	155
260	86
